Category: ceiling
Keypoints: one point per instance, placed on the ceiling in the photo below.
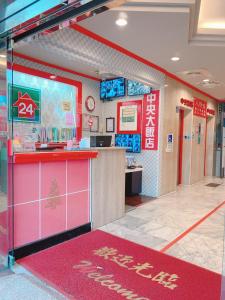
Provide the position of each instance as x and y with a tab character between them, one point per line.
160	29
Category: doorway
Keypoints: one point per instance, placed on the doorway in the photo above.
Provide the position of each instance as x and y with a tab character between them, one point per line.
180	146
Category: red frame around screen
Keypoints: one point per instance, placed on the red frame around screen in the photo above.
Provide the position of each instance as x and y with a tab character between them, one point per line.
139	116
77	84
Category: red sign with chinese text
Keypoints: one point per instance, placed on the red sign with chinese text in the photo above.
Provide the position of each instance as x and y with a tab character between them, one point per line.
211	112
186	102
150	121
200	108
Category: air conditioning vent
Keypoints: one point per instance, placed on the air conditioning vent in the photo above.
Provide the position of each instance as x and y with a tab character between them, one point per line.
210	84
196	73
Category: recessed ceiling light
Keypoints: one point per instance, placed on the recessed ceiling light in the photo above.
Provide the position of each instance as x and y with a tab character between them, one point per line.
53	76
165	85
213	25
175	58
206	80
2	55
121	22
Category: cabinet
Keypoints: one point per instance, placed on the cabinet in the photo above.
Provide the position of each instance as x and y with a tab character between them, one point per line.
133	181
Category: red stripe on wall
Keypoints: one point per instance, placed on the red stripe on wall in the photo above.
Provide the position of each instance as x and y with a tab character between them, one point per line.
44	63
117	47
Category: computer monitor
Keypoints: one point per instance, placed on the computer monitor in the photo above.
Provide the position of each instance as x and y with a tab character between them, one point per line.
130	141
100	141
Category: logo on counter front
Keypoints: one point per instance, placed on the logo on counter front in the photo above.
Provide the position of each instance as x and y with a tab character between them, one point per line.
54	199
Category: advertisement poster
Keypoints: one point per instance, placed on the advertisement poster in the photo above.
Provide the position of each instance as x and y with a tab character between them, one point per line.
129	117
150	122
25	104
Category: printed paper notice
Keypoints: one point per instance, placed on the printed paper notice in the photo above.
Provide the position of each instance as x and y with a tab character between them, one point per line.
128	118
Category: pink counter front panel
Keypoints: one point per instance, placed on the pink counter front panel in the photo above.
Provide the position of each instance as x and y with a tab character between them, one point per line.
49	198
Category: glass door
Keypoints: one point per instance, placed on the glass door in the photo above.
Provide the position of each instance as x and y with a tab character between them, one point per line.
6	195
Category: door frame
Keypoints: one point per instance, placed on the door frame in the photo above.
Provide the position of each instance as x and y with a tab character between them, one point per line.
180	146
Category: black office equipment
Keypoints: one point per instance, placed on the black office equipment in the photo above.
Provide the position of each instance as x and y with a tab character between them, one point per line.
100	141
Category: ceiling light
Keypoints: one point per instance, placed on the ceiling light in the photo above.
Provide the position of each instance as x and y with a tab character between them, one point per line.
206	80
2	55
213	25
121	22
165	85
175	58
53	76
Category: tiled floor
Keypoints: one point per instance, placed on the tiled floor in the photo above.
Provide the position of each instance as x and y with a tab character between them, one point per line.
162	220
155	224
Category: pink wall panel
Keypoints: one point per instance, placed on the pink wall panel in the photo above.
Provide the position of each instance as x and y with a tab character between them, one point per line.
78	171
66	199
53	179
26	182
78	209
26	223
4	233
53	216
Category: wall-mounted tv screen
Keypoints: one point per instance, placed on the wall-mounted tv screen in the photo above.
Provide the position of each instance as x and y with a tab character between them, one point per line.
135	88
112	88
131	141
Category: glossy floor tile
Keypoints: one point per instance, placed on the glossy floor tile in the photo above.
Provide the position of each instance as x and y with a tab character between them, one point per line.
161	221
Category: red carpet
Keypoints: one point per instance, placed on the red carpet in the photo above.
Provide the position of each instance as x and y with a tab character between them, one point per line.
99	266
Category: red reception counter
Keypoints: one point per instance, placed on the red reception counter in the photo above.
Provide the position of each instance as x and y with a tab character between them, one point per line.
51	193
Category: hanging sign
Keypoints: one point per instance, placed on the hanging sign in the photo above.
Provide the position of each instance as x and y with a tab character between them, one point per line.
150	121
200	108
25	104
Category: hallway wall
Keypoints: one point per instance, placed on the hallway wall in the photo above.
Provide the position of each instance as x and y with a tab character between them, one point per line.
193	151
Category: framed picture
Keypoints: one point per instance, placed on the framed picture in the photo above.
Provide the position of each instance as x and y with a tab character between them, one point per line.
85	122
110	124
95	123
129	117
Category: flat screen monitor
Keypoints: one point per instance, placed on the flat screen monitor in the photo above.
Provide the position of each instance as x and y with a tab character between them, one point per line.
135	88
131	141
112	88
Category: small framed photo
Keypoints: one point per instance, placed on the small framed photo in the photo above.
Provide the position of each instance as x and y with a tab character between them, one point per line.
95	124
85	122
110	124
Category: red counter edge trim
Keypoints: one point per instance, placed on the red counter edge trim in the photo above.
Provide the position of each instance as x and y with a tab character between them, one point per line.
42	62
20	158
77	84
126	52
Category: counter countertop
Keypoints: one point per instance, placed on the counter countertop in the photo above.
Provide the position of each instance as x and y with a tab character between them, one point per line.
59	155
133	170
108	148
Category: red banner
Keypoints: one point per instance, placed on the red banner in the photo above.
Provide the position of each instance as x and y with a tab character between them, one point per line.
150	123
200	108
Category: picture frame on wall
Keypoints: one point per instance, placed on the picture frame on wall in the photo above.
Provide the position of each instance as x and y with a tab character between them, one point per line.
95	124
85	122
110	124
129	117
